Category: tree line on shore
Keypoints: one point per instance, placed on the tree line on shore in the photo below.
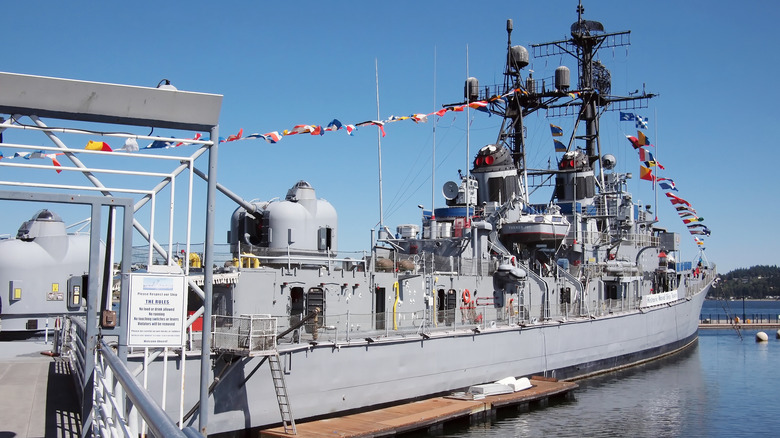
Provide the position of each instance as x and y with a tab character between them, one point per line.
756	282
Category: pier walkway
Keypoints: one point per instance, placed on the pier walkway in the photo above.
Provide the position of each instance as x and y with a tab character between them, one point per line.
741	326
37	396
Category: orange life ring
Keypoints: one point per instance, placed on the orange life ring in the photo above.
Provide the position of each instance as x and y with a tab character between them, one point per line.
466	296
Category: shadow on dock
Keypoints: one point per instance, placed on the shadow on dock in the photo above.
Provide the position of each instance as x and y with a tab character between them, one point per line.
37	392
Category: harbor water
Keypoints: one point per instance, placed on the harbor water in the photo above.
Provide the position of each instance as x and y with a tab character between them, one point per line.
726	385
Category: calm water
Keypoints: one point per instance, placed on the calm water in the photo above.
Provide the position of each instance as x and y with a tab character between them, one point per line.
723	387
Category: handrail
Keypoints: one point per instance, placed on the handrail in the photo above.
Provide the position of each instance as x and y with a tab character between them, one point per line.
158	421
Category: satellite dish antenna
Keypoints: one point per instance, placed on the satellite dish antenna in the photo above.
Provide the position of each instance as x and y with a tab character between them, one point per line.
450	190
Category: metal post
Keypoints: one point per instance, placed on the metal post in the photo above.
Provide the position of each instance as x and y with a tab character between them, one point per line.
93	298
208	276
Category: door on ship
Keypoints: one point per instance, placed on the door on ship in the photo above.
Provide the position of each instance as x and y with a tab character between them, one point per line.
296	308
379	308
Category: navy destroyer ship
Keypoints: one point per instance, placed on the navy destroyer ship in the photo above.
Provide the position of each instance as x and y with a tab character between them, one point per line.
489	286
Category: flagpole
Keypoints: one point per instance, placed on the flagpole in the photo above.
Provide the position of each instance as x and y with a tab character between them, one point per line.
657	160
433	233
379	149
468	139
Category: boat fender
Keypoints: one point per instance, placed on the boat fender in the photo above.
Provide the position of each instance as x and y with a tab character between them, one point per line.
466	296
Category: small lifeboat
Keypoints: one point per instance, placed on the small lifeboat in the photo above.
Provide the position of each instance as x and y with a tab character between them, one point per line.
550	226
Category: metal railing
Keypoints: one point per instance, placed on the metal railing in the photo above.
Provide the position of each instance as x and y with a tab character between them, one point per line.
74	332
346	327
111	374
749	318
118	399
247	335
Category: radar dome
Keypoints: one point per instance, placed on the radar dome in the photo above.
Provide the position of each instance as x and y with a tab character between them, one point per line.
518	58
608	161
562	78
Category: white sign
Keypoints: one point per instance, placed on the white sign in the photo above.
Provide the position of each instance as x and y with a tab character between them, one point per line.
656	299
157	304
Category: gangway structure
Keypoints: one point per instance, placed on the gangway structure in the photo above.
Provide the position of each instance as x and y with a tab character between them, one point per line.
123	206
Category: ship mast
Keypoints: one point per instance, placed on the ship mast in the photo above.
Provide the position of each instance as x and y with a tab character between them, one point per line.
585	42
594	85
511	133
587	99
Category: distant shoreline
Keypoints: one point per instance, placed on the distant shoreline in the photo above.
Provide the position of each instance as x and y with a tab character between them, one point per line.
740	299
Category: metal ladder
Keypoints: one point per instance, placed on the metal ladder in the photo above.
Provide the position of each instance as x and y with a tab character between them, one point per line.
281	394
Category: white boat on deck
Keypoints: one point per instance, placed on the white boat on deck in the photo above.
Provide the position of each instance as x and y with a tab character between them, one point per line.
548	227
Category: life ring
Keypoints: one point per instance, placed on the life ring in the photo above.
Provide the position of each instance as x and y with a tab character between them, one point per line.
466	296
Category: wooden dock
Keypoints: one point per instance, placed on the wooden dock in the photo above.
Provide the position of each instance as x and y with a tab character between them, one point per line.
428	414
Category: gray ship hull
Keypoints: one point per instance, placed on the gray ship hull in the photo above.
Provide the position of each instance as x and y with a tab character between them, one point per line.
335	377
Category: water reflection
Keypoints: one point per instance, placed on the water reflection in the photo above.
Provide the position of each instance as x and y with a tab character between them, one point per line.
723	386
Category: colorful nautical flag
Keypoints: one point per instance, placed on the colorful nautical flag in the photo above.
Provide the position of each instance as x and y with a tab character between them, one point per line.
574	94
645	173
685	208
677	200
420	118
98	146
273	137
627	117
556	130
160	144
302	129
397	118
642	139
334	125
381	125
197	137
53	158
39	154
559	147
634	141
641	122
666	184
645	155
480	105
131	145
231	137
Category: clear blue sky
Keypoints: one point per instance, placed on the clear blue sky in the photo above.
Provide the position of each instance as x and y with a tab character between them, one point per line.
279	64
